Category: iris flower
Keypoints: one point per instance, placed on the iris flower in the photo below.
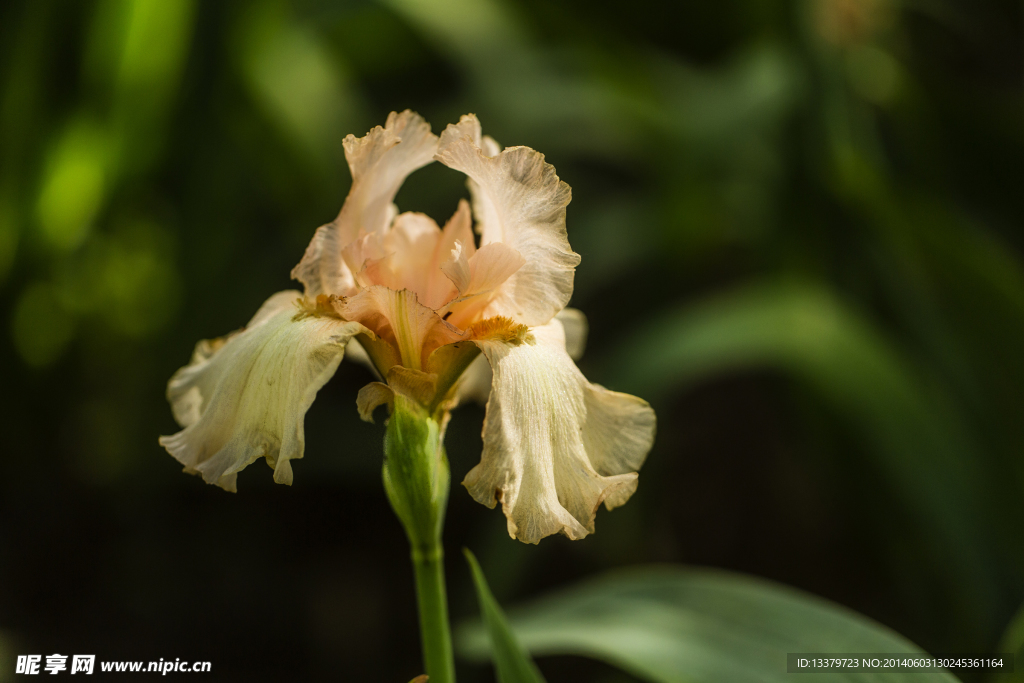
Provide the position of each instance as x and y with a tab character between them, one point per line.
440	320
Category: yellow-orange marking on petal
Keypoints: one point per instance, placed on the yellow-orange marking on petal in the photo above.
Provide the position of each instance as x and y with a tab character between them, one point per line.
500	328
322	307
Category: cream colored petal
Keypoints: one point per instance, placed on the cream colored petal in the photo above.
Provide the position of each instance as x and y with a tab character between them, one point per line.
489	146
574	322
555	445
380	161
245	397
518	200
322	269
398	318
488	220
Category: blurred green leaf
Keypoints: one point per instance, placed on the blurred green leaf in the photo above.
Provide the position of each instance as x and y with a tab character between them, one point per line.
512	662
305	89
8	235
74	185
915	439
41	328
675	625
722	110
516	80
1013	642
132	63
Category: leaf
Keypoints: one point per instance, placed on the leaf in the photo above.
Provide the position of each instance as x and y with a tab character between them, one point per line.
1013	643
676	625
915	439
512	662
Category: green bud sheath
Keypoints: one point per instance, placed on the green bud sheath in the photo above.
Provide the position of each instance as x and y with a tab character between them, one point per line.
416	479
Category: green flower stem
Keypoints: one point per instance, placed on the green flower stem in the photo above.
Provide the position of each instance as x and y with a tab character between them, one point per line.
416	479
435	630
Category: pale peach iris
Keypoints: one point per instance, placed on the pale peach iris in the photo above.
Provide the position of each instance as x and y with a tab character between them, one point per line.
439	319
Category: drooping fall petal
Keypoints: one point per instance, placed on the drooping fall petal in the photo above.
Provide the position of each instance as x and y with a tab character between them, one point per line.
244	396
380	161
475	383
555	445
519	201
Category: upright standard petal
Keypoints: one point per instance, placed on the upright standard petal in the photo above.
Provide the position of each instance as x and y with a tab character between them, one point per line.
245	396
380	161
518	200
555	445
411	254
480	280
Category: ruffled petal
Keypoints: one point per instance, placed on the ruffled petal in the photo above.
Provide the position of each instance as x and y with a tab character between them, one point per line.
518	200
322	269
380	161
555	445
245	396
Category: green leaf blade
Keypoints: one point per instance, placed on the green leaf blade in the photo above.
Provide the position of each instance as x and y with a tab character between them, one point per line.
915	438
511	660
673	625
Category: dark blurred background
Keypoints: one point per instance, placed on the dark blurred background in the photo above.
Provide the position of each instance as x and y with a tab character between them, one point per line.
800	225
